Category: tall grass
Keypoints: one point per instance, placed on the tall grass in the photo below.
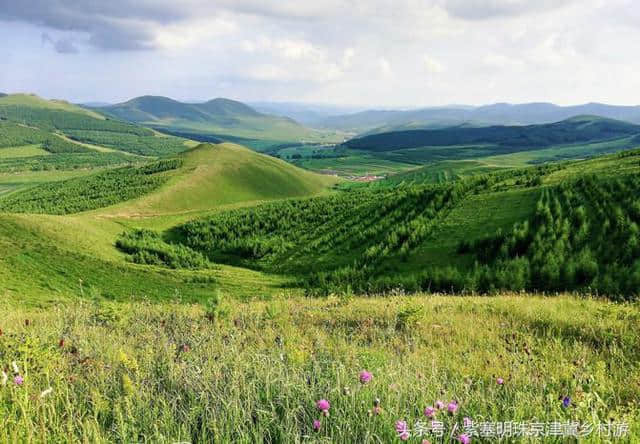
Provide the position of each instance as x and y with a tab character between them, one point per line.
142	372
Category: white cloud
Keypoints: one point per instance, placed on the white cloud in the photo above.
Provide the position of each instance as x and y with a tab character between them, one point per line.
433	65
373	52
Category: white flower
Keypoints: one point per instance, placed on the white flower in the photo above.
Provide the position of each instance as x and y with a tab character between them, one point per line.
15	367
46	392
4	379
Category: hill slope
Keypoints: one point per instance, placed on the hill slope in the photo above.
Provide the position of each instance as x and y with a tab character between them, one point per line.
40	126
225	174
221	117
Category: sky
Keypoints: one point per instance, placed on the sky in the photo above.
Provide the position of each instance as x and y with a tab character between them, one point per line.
371	53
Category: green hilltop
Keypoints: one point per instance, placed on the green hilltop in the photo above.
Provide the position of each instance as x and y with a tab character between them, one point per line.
222	118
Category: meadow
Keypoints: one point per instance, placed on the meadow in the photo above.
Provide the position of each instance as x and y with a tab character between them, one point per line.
227	371
209	293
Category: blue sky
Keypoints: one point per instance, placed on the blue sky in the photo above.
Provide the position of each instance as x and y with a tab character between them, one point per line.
381	53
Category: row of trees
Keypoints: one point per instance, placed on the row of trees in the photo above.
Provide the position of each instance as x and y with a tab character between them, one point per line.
89	192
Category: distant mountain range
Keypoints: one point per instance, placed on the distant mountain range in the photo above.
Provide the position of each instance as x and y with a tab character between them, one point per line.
219	117
374	121
580	129
306	113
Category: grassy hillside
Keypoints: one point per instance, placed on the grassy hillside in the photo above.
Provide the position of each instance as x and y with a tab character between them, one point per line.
225	174
60	127
222	118
377	238
92	191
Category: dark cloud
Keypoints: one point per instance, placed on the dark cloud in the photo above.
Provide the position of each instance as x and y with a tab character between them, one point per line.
62	46
111	25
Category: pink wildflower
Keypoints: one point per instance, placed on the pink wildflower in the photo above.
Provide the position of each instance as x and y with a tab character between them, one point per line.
324	406
316	424
464	439
452	407
365	376
18	380
404	436
439	405
430	412
500	381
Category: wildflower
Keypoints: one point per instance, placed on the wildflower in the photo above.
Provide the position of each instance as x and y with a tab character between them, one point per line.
324	406
401	426
566	402
16	370
500	381
452	407
316	424
430	412
464	439
4	378
365	376
439	405
426	441
377	410
18	380
46	392
467	422
405	436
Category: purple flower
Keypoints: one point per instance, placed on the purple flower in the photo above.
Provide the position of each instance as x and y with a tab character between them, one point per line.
452	407
439	405
464	439
430	412
401	426
500	381
316	424
365	376
467	422
566	402
18	380
323	405
404	436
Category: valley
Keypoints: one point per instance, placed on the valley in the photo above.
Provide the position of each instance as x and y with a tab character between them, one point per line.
160	256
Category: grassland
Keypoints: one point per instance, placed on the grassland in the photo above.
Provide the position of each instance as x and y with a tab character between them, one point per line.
110	350
101	371
214	176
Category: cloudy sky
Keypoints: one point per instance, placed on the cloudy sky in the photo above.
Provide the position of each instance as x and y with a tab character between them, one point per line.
381	53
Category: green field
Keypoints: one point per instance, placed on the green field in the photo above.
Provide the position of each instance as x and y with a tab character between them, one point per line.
253	371
219	298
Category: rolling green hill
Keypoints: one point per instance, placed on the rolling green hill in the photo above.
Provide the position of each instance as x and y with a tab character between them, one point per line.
485	233
201	179
225	174
221	118
59	127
